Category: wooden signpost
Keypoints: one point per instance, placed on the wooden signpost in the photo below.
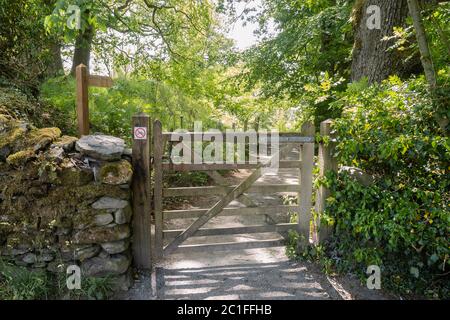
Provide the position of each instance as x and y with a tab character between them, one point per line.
84	80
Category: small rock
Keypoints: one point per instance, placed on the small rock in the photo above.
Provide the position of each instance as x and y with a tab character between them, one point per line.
72	176
116	247
103	219
111	225
56	154
42	138
101	147
116	173
29	258
20	158
19	251
103	254
109	203
66	142
99	267
123	216
84	253
21	263
45	257
102	235
128	152
39	265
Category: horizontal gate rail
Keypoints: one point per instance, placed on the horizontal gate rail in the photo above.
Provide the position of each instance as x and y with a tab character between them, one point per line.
231	246
282	227
283	137
195	213
218	190
284	164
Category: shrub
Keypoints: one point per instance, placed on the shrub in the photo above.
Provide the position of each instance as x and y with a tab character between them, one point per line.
401	222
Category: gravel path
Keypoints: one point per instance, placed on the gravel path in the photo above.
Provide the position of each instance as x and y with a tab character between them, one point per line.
264	273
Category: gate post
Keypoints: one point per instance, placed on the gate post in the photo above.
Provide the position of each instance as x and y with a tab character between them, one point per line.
82	78
142	252
327	162
304	200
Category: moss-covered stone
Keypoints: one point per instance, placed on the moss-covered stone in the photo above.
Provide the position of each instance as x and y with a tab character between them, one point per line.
102	234
75	176
11	138
116	173
19	159
42	138
66	142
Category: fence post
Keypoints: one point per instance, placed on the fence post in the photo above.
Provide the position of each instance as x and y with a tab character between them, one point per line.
158	188
82	79
327	162
305	201
142	251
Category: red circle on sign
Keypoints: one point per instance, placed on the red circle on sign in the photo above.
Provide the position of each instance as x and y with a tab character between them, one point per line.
140	133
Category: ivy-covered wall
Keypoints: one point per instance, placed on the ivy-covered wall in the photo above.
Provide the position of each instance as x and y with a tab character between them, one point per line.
65	201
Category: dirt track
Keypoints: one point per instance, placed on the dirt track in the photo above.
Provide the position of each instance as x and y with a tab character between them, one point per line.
264	273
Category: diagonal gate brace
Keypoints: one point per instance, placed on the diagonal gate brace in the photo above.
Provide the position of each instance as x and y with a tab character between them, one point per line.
217	208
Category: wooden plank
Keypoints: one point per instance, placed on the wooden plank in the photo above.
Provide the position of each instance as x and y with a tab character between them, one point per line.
327	162
305	192
283	137
282	227
82	100
218	190
141	196
214	247
100	81
217	177
158	188
284	164
194	213
215	210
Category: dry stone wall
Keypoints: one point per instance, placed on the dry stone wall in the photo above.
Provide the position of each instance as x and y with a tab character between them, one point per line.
65	201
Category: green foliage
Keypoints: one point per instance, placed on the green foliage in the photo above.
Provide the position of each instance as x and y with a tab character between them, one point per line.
92	288
18	283
25	48
187	179
402	221
21	283
311	39
111	109
40	114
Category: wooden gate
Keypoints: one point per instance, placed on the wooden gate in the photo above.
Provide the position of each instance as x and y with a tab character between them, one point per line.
162	164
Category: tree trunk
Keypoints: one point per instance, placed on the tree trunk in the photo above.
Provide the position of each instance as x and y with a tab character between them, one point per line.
82	52
371	55
425	54
55	66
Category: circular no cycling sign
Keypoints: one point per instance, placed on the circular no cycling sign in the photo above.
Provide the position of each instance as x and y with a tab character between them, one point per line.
140	133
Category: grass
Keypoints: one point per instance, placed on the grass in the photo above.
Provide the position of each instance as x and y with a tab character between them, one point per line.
21	283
